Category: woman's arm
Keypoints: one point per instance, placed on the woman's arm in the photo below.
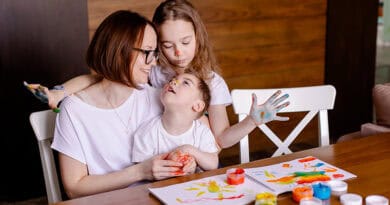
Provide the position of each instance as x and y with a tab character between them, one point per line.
78	183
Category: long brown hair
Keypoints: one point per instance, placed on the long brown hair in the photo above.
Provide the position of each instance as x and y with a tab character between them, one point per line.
110	52
204	61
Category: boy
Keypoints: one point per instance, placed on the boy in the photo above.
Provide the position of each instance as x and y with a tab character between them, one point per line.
178	130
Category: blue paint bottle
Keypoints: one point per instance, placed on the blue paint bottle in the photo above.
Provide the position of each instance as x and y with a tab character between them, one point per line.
322	191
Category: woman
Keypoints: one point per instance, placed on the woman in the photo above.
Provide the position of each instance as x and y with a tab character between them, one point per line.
94	129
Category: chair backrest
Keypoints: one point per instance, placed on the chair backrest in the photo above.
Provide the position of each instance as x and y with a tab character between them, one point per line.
43	123
312	99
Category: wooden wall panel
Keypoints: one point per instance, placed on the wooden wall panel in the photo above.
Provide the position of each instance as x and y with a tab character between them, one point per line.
258	43
270	32
41	41
100	9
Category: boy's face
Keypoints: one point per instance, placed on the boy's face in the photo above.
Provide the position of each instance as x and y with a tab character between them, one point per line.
183	91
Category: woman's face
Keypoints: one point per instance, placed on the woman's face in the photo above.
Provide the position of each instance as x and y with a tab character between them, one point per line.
178	42
141	69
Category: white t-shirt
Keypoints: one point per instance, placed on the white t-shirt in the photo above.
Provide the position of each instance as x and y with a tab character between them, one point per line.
98	137
220	94
151	139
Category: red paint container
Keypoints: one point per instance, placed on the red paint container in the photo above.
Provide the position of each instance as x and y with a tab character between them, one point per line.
235	176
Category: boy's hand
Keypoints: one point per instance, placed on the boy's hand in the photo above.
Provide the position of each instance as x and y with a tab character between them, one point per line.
182	156
266	112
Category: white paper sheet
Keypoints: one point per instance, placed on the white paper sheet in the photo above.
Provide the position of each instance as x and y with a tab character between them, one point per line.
260	179
283	177
197	192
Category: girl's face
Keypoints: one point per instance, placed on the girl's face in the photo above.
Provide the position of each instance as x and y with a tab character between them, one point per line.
141	69
178	42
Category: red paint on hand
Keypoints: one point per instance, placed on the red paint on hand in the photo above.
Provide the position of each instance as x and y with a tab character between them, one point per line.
182	157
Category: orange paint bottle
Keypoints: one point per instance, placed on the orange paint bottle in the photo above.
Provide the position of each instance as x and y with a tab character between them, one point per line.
302	192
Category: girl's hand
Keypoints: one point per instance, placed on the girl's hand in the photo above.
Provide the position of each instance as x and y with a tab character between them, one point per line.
51	97
157	168
266	112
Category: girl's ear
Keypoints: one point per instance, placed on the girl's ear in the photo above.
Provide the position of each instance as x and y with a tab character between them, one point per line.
198	106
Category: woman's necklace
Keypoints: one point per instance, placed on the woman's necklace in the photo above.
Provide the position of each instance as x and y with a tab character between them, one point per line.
125	125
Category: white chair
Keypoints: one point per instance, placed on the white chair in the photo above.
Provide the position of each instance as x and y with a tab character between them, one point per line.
43	123
312	99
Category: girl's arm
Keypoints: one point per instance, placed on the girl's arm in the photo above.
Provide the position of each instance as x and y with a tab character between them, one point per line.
78	183
259	114
71	86
225	135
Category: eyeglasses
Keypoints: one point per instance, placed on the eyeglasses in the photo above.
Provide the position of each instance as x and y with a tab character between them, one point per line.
150	54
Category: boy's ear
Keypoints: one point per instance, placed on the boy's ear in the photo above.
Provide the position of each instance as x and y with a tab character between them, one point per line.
198	106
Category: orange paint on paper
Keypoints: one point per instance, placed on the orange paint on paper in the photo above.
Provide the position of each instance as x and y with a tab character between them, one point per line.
330	169
286	165
338	175
212	187
283	180
307	159
310	179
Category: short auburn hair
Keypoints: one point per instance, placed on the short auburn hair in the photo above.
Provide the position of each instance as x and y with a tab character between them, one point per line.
110	52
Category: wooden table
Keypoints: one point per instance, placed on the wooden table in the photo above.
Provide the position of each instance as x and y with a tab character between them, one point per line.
368	158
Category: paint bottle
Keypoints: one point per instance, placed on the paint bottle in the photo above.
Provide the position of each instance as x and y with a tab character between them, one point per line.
338	187
376	200
265	198
235	176
351	199
302	192
322	191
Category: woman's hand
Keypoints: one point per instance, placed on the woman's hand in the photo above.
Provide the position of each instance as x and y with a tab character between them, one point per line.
266	112
158	168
